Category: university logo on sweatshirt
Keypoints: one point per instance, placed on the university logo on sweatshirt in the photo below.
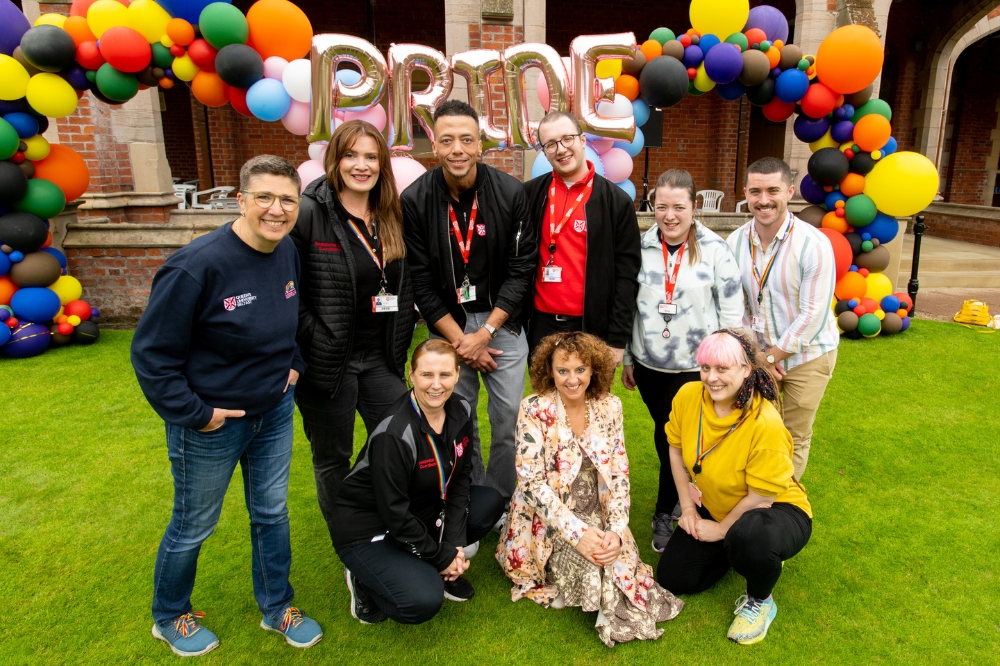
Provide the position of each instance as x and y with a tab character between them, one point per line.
234	302
290	289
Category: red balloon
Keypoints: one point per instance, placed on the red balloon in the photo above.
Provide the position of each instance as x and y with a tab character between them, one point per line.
869	305
65	329
238	99
819	101
777	111
89	56
203	55
905	299
177	51
755	36
125	49
842	253
860	310
79	308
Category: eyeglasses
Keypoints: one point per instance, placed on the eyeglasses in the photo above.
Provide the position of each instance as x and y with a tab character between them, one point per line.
265	200
553	146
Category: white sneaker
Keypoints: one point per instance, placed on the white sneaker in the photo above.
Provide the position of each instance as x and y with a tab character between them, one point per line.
471	550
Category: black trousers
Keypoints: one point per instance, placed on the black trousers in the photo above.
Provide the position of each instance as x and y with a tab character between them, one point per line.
658	390
408	589
542	324
755	547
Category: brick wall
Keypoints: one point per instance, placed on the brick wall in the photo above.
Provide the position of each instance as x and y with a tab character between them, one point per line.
178	133
116	280
970	230
499	37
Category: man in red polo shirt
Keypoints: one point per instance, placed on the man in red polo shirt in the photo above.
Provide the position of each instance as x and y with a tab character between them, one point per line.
589	243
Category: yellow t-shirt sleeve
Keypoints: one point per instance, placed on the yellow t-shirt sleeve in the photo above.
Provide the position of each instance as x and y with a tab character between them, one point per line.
685	402
768	472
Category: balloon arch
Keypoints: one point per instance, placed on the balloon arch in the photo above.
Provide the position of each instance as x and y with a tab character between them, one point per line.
268	64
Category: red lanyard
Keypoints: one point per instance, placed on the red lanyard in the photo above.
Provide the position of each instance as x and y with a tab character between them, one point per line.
553	229
670	281
466	247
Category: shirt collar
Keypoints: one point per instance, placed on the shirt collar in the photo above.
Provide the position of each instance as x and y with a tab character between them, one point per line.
779	237
561	184
466	196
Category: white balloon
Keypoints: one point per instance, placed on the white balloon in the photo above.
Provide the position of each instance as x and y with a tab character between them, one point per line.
317	150
620	108
297	78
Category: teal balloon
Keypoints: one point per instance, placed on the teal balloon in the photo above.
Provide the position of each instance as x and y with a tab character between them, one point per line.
222	24
9	140
115	85
43	199
869	325
860	210
162	57
634	147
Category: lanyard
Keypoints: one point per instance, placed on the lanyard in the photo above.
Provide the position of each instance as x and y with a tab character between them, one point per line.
371	251
555	230
761	278
442	482
466	247
698	455
670	281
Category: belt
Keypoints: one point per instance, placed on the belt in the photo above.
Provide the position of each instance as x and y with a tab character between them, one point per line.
558	317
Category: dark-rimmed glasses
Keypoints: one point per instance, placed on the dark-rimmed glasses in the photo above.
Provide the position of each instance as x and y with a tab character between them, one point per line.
265	200
552	146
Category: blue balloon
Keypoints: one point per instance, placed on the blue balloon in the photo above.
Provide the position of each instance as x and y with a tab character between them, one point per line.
268	100
13	25
595	159
4	335
629	188
16	257
842	131
641	112
27	340
693	56
4	264
189	10
540	166
634	147
724	64
791	85
807	129
707	42
349	77
24	124
731	91
831	199
889	303
883	227
848	111
12	106
60	257
36	304
890	146
810	191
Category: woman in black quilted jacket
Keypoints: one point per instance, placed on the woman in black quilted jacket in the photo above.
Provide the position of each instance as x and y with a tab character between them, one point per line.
356	312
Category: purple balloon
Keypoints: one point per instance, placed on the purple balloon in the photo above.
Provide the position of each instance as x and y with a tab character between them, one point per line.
807	129
810	191
770	20
76	76
13	25
842	131
724	64
693	55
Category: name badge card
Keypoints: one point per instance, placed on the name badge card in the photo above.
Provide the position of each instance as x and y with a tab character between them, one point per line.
758	324
695	493
385	303
552	274
668	308
466	293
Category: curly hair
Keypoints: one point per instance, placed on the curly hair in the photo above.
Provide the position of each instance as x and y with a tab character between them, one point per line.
592	351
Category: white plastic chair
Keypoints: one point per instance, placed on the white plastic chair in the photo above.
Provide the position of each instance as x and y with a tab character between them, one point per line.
181	191
711	200
215	193
742	203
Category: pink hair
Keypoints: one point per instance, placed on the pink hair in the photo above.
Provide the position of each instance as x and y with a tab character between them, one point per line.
721	349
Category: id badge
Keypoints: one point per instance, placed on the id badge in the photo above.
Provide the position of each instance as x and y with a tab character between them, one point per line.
695	493
552	274
668	308
466	293
385	303
758	324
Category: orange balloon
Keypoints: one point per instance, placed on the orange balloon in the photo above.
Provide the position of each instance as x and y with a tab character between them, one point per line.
849	59
180	31
279	28
209	89
853	183
66	169
78	29
7	289
651	49
852	285
627	85
872	132
834	222
773	56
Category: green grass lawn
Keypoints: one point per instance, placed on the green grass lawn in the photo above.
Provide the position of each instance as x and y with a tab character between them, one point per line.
904	479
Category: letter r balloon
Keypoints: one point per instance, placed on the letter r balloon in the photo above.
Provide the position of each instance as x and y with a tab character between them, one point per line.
328	94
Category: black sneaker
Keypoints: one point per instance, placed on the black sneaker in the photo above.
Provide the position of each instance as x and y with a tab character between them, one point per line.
458	589
663	529
363	608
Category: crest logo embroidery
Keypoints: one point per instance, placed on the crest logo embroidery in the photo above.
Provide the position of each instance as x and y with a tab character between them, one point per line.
460	447
481	229
229	303
290	289
579	226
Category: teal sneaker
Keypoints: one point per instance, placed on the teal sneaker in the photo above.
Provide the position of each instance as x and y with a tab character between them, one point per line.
299	631
185	636
753	617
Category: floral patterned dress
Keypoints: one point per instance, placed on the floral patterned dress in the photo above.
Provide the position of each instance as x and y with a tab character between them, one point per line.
564	484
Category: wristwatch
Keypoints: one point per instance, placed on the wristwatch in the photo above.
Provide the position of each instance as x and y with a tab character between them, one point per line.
492	331
770	357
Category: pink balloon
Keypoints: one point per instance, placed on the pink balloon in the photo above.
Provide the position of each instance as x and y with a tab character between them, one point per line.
274	66
406	170
542	88
317	150
617	165
309	171
374	115
601	146
296	120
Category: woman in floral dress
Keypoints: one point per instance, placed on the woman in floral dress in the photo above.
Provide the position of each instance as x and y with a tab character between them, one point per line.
566	540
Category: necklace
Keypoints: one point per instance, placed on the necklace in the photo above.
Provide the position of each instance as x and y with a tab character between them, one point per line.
566	422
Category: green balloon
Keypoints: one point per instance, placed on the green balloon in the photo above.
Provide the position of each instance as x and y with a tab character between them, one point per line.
91	75
222	24
694	91
162	57
881	107
43	199
867	246
662	35
9	141
116	85
740	40
869	325
860	210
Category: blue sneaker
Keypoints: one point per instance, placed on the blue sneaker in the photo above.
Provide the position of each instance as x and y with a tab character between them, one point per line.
185	636
753	617
299	631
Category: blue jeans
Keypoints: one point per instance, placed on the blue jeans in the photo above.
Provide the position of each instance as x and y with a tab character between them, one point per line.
202	464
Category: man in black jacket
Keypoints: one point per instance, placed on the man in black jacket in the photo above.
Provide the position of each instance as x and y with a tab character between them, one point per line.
472	254
589	255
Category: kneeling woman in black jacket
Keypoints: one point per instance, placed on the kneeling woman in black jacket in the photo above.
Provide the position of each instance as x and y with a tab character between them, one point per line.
407	510
356	311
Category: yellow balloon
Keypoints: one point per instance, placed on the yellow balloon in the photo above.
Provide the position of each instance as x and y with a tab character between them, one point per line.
13	78
701	80
902	184
825	141
148	19
609	69
51	95
879	286
166	41
67	288
37	146
184	68
51	19
880	314
106	14
73	320
719	17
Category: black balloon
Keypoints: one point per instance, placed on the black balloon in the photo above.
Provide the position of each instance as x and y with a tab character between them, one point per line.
663	81
853	335
842	306
146	77
13	183
23	231
58	339
86	333
855	241
828	166
43	122
862	163
239	65
760	95
49	48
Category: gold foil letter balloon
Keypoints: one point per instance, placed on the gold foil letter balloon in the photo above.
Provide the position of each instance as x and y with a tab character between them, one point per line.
518	58
328	51
476	67
403	59
588	90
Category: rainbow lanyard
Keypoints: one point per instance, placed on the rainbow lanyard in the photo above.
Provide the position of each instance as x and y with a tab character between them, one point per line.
371	253
698	455
762	277
442	482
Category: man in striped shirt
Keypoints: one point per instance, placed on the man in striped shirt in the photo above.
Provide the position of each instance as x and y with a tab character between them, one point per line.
788	275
